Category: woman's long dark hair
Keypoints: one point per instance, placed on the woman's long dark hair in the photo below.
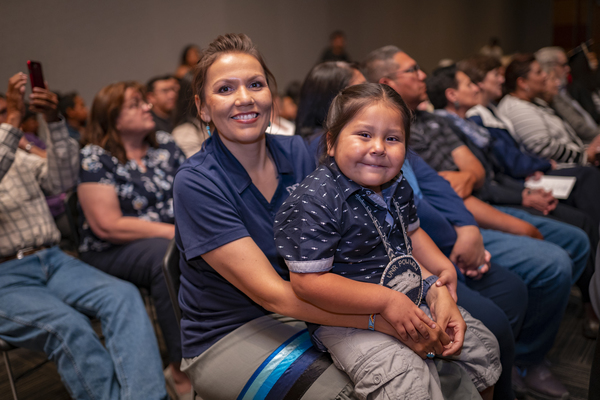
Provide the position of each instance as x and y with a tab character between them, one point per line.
321	85
183	57
519	67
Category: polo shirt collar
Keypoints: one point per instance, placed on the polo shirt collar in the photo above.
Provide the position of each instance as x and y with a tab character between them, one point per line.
349	187
237	172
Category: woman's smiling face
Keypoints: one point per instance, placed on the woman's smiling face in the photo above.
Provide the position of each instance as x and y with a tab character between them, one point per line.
237	99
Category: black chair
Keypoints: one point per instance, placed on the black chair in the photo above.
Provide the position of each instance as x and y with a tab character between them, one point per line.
594	387
171	272
72	212
5	347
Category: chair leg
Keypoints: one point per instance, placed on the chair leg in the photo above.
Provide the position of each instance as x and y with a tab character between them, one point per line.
10	375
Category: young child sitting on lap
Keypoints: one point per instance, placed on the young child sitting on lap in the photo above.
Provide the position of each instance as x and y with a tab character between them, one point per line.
350	236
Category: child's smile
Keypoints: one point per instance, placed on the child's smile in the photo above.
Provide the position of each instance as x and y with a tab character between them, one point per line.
370	149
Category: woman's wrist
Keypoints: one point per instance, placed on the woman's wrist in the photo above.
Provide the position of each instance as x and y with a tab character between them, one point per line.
14	118
434	293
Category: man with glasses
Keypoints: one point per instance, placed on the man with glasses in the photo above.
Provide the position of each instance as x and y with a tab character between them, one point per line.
162	92
395	68
544	266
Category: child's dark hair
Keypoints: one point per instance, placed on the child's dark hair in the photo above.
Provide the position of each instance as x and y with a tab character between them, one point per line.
351	100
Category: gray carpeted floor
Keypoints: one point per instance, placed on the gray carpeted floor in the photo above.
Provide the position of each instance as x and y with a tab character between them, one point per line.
571	357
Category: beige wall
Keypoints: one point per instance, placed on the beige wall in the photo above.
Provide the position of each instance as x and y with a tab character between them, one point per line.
85	45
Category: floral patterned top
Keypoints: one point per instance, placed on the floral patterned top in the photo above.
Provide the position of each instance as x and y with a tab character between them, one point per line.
144	194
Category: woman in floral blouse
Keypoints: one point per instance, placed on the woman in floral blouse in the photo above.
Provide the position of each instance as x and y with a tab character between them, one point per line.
126	194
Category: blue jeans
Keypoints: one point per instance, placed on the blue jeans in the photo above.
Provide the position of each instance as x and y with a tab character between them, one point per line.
499	300
45	301
548	268
140	262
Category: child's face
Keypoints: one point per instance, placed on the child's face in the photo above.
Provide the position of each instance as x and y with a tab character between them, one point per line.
370	149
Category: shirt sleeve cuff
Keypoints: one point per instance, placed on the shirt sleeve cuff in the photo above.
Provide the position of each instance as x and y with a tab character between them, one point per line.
10	136
312	266
58	130
414	225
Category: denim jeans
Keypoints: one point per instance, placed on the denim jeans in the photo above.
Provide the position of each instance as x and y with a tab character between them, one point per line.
548	268
499	300
140	262
45	301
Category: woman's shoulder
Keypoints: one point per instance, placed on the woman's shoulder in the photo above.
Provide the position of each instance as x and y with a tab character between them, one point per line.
289	144
94	154
97	165
511	103
165	139
202	168
92	150
295	150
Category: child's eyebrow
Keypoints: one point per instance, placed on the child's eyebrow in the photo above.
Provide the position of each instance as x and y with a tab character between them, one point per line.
366	125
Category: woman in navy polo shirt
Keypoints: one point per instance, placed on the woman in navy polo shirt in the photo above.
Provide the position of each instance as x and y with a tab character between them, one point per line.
233	279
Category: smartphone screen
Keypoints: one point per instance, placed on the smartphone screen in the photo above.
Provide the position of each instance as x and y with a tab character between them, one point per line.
35	74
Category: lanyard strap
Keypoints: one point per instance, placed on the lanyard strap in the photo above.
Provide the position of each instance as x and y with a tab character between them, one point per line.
384	239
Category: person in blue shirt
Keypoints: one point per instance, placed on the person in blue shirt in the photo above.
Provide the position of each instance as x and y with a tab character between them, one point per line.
234	286
496	296
484	72
348	234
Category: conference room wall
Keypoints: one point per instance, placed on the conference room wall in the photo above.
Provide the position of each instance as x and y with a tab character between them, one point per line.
86	45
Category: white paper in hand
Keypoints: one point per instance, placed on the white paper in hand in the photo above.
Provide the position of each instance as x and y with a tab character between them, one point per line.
560	186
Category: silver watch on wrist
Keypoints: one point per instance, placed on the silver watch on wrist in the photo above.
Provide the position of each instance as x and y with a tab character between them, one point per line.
28	147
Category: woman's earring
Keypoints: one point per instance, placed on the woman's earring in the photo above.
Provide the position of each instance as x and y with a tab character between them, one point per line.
456	105
269	124
208	129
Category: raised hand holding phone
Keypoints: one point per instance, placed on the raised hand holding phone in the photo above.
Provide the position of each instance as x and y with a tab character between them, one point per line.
15	106
41	100
35	74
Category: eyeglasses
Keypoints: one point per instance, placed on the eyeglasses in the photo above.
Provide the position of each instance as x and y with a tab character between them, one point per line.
138	104
174	89
414	69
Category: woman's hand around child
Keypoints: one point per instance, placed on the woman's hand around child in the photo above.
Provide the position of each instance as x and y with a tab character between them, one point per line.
437	343
445	312
448	278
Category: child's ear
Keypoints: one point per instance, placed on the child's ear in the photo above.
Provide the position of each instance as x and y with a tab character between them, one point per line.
330	146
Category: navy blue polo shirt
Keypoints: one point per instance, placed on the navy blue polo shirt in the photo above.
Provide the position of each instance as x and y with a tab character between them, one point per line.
439	208
216	203
322	226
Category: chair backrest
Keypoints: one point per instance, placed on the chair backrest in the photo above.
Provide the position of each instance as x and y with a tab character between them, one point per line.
5	346
72	212
171	272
